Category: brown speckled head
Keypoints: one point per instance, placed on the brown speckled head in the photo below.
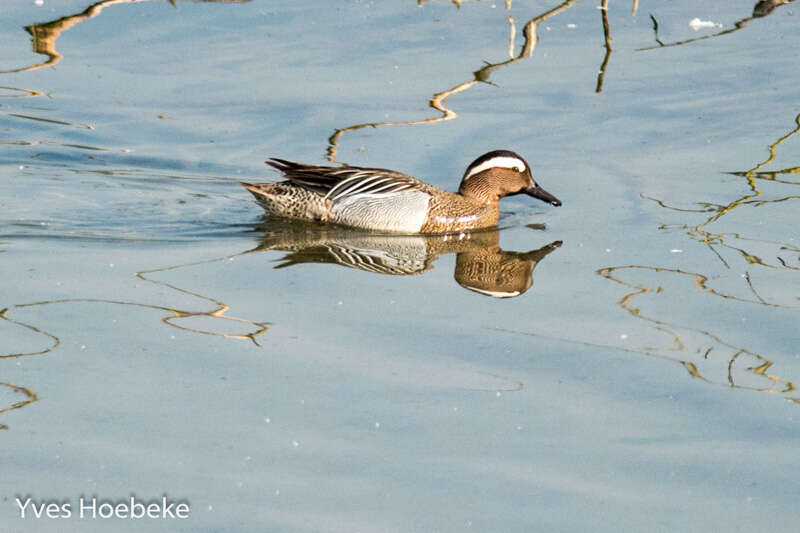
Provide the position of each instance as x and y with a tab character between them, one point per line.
501	173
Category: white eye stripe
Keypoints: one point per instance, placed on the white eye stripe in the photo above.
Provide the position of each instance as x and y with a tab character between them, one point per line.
506	162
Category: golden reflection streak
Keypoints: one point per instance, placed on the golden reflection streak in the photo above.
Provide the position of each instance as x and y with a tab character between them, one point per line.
217	313
750	175
777	384
26	93
439	99
699	282
689	366
66	145
773	152
706	206
761	9
30	397
607	37
45	34
56	342
700	233
172	313
773	175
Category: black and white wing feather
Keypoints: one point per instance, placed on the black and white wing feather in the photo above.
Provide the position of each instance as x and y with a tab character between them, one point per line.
346	182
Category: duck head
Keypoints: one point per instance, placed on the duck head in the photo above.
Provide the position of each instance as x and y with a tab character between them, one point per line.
501	173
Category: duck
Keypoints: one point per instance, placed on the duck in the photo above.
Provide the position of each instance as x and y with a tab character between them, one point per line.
386	200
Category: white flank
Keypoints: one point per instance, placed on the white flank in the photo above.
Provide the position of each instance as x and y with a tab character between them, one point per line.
404	212
506	162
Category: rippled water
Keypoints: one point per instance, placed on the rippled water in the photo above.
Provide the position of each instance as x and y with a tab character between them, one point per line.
624	362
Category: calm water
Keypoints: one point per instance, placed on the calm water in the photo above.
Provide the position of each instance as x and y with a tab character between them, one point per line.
161	337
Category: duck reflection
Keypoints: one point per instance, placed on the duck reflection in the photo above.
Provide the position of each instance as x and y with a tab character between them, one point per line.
481	265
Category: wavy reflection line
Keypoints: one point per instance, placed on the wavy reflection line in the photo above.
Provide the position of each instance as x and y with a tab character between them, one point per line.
438	100
700	231
718	239
56	342
773	175
761	10
20	92
219	312
30	397
54	143
700	283
690	367
626	302
45	34
173	314
753	174
51	121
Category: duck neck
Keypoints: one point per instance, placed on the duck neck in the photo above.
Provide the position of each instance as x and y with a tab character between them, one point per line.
479	190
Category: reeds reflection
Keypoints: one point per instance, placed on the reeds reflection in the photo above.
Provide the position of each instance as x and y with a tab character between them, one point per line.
704	355
698	352
18	92
44	34
786	256
438	100
760	10
29	397
172	316
714	240
481	265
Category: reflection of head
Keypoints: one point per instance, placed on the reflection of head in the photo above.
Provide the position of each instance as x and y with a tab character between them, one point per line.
499	274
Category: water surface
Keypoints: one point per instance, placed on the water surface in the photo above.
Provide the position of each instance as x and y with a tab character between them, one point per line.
624	362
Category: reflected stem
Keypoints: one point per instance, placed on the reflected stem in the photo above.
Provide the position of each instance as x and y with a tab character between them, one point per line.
607	36
438	100
30	395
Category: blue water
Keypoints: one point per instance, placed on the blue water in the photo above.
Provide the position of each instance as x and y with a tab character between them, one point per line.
161	337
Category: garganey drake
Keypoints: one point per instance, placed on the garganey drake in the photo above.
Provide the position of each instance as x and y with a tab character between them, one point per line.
380	199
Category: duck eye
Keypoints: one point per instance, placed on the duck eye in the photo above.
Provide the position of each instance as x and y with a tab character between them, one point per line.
515	169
